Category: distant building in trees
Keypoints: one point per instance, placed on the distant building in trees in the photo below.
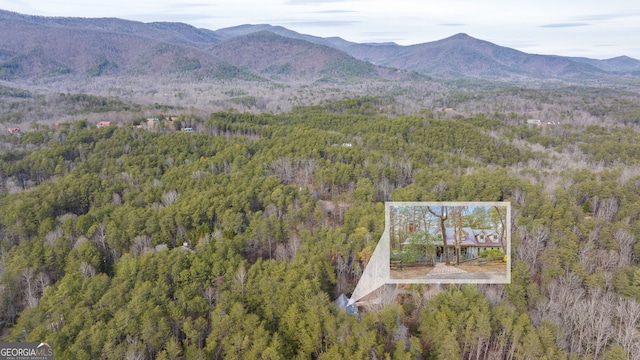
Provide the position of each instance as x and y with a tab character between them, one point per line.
539	122
103	124
152	122
15	130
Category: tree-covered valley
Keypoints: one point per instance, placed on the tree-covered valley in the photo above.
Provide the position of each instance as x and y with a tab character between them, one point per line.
233	241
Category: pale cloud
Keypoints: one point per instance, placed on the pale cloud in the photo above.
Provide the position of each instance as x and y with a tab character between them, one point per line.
564	25
335	12
321	23
314	2
605	17
185	18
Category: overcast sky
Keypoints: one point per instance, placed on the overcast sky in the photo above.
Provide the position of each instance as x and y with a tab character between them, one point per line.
592	28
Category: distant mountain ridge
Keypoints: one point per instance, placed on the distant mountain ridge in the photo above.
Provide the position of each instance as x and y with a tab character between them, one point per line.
458	55
41	47
334	42
44	47
621	64
165	31
52	47
282	58
463	55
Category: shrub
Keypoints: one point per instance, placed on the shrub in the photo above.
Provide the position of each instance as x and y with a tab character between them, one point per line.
491	253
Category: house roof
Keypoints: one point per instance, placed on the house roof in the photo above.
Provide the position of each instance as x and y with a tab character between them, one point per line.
471	238
343	303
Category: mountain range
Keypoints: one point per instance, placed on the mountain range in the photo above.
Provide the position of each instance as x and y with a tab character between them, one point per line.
34	47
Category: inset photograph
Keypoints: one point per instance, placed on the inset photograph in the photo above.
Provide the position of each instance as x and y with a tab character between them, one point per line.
456	242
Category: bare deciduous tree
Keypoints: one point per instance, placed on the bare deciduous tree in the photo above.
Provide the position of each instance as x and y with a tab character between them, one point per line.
444	213
42	281
590	321
241	277
384	188
518	196
627	319
141	244
100	237
170	197
342	272
601	322
293	245
594	234
585	256
281	253
532	244
406	172
502	226
494	293
79	241
28	287
116	198
440	187
53	235
86	270
625	243
606	208
283	168
608	260
306	168
134	354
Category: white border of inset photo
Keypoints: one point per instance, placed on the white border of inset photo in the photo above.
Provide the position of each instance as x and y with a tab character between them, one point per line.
470	245
377	273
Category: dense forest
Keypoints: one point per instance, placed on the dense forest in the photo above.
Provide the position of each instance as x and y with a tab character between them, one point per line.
233	241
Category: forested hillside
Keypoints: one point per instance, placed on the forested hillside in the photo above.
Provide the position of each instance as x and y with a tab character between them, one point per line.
233	241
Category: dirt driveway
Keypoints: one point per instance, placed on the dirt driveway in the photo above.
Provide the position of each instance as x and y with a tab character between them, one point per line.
410	272
418	272
492	266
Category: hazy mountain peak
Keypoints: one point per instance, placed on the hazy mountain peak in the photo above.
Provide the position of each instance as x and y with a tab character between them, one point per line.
461	36
245	29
